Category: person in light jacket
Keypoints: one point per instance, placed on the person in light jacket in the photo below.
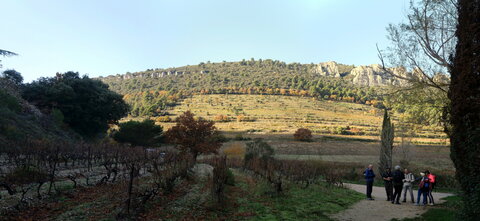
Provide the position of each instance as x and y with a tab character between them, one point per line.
408	185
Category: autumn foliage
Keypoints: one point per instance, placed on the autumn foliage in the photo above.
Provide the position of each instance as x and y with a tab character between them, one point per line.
196	136
221	118
303	134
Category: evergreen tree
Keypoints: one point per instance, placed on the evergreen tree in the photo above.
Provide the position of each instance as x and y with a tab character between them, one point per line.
386	143
465	107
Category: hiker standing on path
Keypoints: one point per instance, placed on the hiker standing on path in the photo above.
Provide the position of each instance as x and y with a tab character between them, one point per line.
423	189
369	176
408	185
387	180
431	179
398	178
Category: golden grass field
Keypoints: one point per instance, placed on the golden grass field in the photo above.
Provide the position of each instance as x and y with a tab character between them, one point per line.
273	114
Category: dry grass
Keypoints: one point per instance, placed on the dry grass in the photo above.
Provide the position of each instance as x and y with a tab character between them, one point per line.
272	114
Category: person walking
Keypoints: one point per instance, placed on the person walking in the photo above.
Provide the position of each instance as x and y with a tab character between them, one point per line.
423	189
397	184
387	181
408	185
431	178
369	176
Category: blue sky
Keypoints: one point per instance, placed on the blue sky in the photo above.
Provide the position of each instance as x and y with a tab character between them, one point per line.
103	37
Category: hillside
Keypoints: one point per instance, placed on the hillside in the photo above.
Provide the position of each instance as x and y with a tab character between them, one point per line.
253	73
152	91
20	120
271	114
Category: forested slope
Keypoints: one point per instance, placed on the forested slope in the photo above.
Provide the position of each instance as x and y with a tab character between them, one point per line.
151	92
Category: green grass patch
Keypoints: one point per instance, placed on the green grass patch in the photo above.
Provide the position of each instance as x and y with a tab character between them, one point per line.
443	212
296	203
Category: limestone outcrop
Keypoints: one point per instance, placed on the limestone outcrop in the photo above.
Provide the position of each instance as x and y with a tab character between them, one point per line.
327	69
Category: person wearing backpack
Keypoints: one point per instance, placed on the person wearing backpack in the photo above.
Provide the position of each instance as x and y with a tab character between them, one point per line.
398	178
423	189
431	178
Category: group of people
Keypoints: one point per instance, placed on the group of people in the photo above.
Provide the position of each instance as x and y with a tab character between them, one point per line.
398	182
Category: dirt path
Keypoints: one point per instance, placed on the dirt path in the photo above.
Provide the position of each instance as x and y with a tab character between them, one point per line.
380	209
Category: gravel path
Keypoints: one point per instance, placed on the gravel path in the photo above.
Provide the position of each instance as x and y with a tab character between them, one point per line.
380	209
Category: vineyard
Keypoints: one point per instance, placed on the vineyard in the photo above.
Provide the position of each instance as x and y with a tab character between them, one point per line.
141	178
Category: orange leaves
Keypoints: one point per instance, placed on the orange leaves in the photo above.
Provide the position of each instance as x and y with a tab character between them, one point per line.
197	136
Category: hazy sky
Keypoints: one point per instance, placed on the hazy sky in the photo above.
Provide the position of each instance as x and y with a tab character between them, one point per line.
103	37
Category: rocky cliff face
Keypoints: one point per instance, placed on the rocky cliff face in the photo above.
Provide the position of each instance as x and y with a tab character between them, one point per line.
374	75
368	75
327	69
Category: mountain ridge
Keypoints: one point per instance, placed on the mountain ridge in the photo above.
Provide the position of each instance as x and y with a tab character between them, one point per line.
363	75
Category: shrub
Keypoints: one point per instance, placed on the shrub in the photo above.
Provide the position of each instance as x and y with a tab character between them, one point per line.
230	178
258	149
221	118
144	133
197	136
234	150
9	101
163	119
341	130
356	131
243	118
303	134
238	137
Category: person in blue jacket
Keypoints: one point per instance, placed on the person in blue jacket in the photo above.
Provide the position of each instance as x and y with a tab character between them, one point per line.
369	176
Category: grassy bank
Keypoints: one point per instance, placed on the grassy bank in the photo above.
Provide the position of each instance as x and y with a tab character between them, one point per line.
443	212
315	202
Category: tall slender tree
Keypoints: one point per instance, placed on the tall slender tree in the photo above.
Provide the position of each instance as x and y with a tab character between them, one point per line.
464	95
386	143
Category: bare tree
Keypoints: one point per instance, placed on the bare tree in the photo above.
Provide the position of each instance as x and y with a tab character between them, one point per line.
423	44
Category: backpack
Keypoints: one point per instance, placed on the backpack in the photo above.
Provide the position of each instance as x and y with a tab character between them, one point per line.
432	178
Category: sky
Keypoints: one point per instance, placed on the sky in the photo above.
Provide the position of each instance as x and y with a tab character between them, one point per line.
104	37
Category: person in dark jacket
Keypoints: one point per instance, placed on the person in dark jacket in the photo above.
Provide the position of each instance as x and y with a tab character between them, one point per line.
398	178
387	180
369	176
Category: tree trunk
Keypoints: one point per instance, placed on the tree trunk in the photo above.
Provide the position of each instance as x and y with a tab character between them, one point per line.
464	95
130	187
